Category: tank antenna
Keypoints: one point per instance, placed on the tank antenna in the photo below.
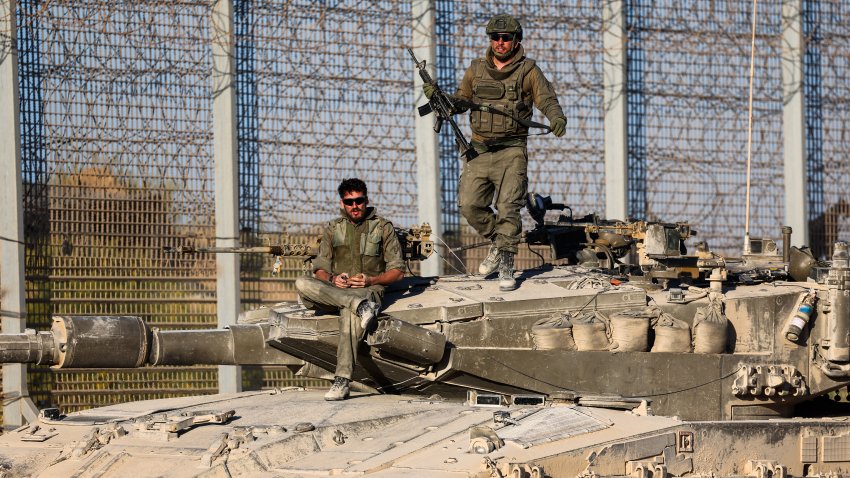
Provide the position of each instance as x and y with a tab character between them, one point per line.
750	133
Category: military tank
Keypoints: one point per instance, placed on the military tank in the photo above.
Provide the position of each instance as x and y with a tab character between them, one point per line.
631	358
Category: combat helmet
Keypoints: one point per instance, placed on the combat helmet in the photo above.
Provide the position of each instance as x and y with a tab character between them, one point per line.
503	23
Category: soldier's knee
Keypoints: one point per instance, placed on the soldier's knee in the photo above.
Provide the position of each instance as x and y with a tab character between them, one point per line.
466	211
302	283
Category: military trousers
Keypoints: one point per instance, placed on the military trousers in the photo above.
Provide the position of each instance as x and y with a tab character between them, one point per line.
318	294
495	178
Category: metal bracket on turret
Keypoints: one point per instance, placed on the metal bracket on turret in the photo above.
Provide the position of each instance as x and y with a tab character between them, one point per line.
646	469
765	469
167	427
769	381
224	443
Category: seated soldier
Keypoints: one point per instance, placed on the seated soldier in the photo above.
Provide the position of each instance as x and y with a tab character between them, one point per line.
358	256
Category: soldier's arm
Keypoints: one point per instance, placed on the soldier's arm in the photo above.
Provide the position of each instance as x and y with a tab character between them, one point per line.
323	263
384	278
463	96
543	94
394	270
465	89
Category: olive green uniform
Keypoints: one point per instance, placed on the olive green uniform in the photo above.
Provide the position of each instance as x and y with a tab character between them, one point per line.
369	247
499	175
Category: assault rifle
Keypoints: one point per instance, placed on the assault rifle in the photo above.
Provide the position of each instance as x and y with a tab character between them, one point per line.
442	106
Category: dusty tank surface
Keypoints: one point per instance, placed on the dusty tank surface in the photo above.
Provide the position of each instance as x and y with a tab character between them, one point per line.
668	365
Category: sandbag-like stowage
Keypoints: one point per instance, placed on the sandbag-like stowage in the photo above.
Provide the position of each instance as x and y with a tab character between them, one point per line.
671	334
710	326
590	331
630	331
555	333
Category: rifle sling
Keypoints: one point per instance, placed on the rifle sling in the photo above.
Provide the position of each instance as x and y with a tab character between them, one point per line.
522	121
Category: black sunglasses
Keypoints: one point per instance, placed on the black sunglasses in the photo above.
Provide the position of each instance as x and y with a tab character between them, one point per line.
352	201
502	36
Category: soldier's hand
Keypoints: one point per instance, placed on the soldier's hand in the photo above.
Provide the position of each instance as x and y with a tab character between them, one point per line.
342	281
360	281
429	90
559	126
459	104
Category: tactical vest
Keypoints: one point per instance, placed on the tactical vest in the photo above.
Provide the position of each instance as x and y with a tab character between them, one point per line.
505	95
363	255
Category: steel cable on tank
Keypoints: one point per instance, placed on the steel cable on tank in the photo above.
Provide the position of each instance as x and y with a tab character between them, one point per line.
673	392
453	254
691	388
396	384
542	260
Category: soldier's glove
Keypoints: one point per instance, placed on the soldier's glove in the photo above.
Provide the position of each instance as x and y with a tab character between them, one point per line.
429	90
459	104
559	126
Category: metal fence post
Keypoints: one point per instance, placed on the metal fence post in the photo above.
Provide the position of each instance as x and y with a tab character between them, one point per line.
794	122
226	179
17	408
614	101
424	45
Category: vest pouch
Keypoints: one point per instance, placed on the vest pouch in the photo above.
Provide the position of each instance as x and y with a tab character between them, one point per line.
489	90
498	123
511	92
370	246
510	123
339	235
480	121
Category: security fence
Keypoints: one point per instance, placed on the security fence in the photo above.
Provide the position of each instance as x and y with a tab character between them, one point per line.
117	133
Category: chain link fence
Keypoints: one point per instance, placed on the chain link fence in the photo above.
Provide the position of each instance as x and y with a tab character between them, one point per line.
116	134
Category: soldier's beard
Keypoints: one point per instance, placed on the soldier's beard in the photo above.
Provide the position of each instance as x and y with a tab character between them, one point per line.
356	219
506	56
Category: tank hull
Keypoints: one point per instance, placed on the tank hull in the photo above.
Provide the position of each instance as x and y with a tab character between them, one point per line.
295	433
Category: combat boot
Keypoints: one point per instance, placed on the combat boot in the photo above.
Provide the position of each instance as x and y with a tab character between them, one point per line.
339	390
491	262
507	282
367	310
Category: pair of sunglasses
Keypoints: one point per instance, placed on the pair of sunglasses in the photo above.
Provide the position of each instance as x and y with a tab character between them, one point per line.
352	201
502	36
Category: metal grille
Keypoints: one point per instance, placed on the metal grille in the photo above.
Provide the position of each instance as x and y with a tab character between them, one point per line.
827	69
34	178
116	133
326	95
689	87
450	165
333	87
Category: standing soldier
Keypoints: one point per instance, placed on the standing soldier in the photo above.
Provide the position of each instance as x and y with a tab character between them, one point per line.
501	88
358	256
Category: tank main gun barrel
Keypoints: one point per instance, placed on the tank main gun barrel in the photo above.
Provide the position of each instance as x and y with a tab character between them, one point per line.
29	347
128	342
